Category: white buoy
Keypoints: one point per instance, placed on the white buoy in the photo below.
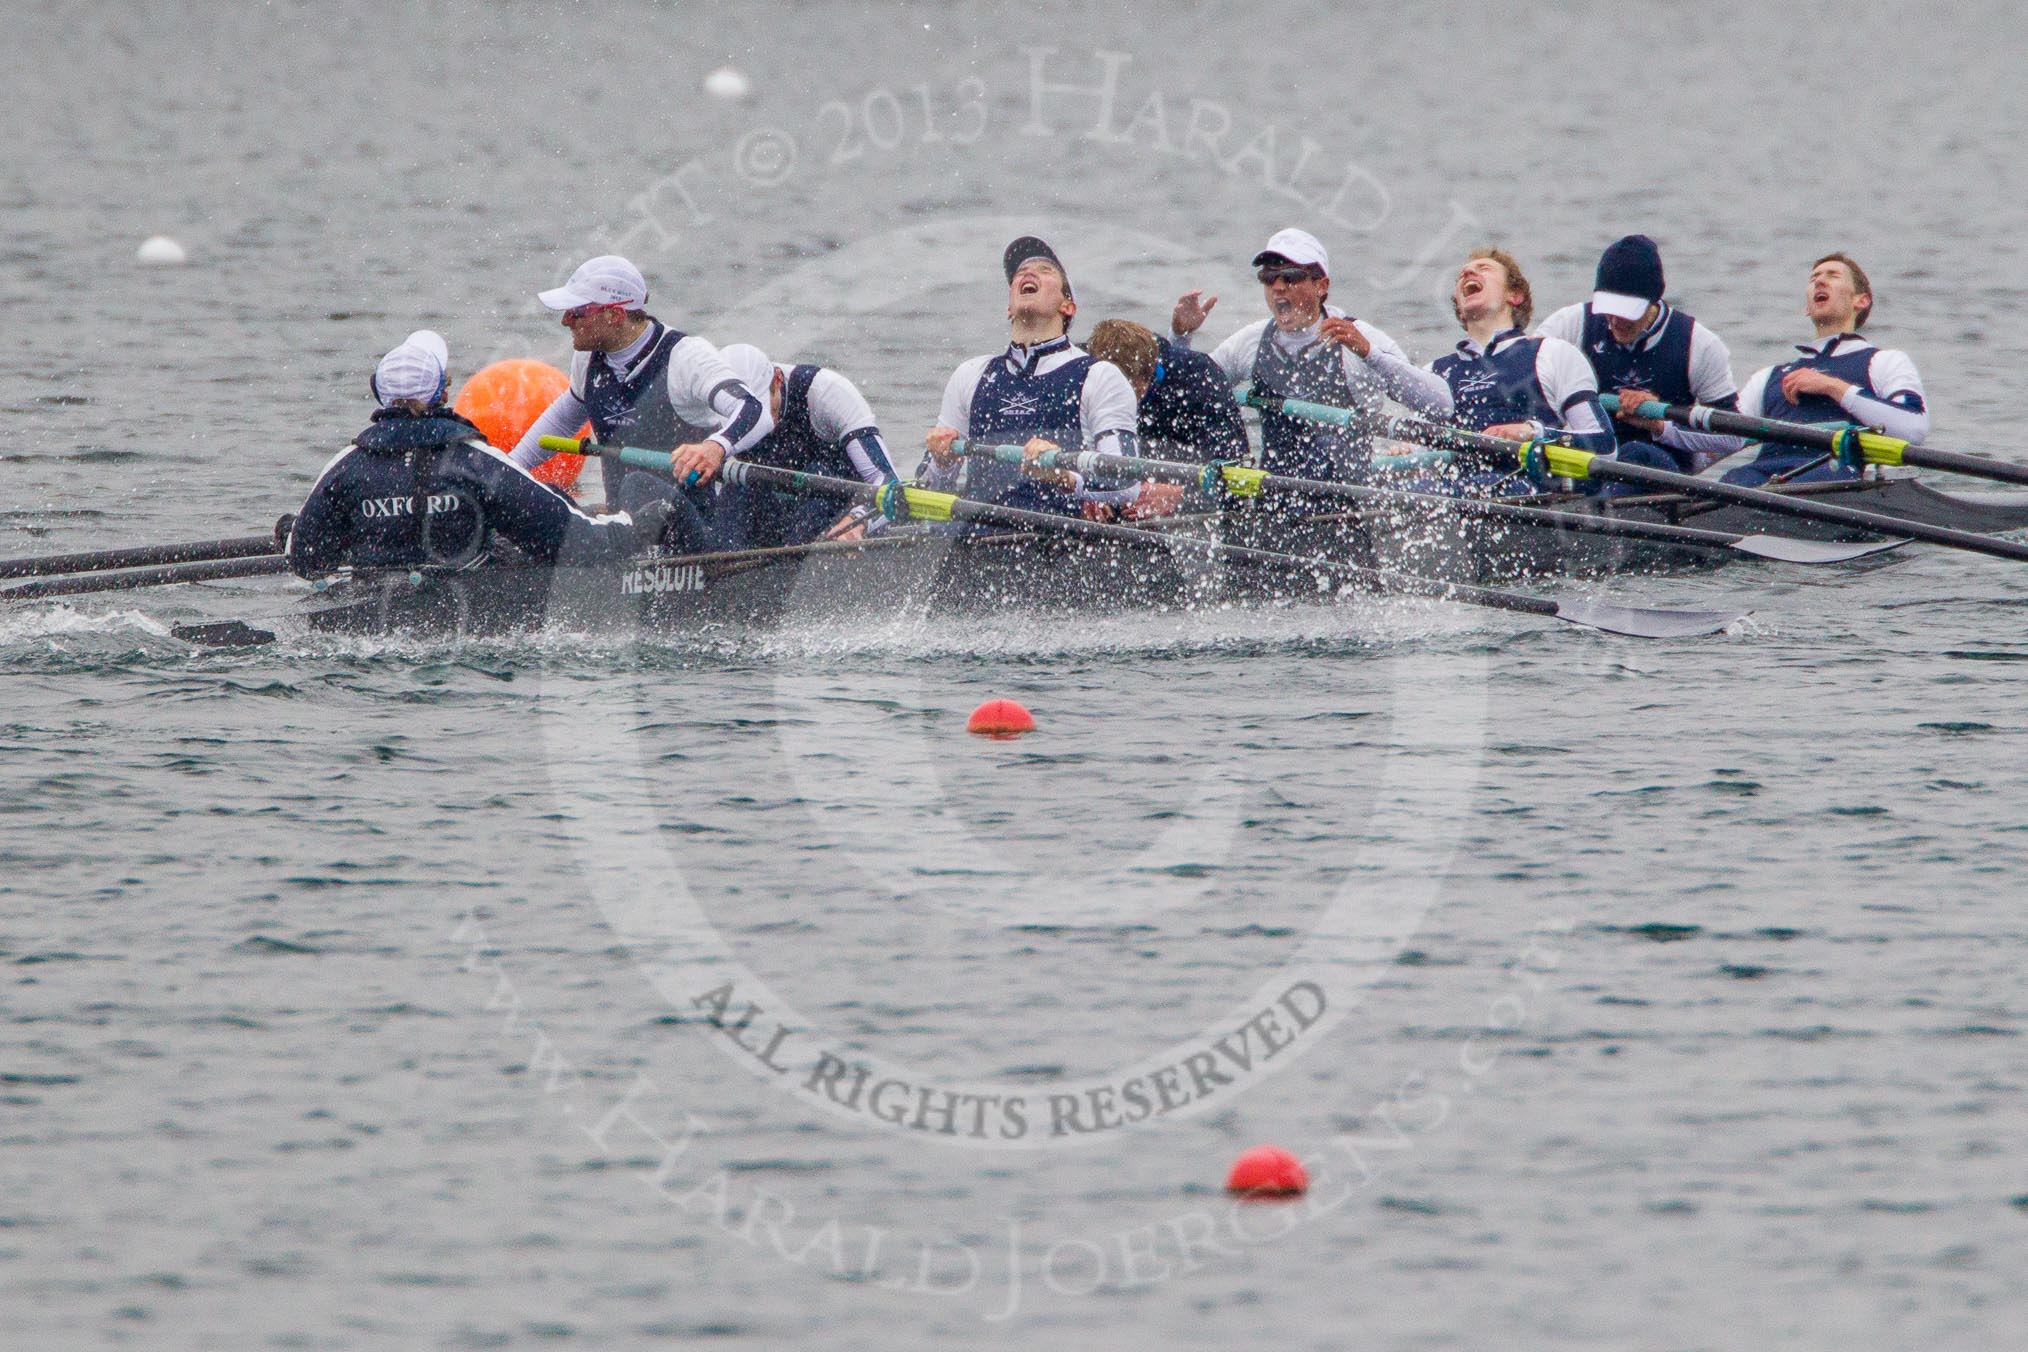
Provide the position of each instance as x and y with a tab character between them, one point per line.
727	83
161	249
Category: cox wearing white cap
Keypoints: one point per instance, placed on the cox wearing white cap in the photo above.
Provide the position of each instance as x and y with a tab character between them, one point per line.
1309	349
643	384
419	489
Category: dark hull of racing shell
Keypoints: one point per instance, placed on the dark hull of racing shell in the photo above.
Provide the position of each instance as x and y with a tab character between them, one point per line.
907	572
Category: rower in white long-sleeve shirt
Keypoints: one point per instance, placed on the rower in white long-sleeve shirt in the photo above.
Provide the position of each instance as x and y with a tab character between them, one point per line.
1642	348
1840	379
1043	391
1309	349
643	384
822	425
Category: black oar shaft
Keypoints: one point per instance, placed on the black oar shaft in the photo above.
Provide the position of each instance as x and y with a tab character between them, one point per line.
196	551
1873	446
210	570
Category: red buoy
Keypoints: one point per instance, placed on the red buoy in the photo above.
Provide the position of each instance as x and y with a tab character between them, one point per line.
506	398
1267	1171
1000	718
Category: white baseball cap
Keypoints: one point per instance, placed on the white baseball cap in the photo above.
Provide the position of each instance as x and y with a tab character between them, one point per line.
1298	246
412	370
606	280
752	367
1619	306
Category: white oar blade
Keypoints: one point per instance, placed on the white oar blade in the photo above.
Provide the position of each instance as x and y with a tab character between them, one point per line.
1787	549
1637	622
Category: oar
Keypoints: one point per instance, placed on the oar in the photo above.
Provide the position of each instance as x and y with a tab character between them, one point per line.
197	551
1571	463
1244	481
1852	445
904	501
208	571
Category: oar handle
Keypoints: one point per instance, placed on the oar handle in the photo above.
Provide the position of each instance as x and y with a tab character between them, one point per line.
655	462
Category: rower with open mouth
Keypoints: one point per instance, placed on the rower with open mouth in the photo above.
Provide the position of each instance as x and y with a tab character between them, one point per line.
1309	349
1043	392
1841	379
420	490
1509	383
1642	348
644	384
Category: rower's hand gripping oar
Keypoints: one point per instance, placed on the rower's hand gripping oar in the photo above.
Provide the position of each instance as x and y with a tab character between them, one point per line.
1853	446
905	501
1543	459
1222	479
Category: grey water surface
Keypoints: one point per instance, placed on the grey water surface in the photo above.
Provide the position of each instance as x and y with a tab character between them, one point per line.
509	993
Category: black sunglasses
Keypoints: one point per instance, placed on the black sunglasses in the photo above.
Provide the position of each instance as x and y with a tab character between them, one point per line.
1285	272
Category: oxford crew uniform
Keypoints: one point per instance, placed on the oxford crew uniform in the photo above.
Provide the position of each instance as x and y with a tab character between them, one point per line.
422	491
1305	365
665	389
1678	360
1054	390
1886	394
825	427
1524	378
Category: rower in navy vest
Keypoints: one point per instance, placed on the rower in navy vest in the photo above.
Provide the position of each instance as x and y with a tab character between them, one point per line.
1309	349
643	384
1043	392
1643	348
822	425
1508	383
419	489
1840	378
1187	411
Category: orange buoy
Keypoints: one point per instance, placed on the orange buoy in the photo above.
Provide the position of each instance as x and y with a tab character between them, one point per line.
506	398
1000	718
1267	1171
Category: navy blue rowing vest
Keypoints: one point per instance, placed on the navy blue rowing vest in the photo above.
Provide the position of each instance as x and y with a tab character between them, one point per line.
794	443
1292	446
630	409
1012	406
1498	388
1661	367
1855	366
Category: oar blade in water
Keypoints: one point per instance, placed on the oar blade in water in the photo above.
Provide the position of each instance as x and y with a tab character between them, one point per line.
1788	549
223	634
1638	622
